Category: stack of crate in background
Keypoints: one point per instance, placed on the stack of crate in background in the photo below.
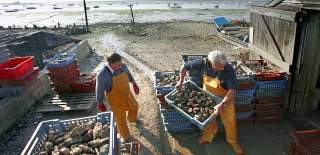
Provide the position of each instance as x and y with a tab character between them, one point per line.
15	74
172	120
63	70
270	87
244	94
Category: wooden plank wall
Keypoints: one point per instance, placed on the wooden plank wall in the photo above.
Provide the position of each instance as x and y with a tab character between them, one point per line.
284	34
307	73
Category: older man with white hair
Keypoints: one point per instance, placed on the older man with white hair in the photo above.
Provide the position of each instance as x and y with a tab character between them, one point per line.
219	78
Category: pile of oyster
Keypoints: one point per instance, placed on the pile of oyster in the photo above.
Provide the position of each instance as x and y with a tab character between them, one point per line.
89	138
239	68
168	80
194	102
258	68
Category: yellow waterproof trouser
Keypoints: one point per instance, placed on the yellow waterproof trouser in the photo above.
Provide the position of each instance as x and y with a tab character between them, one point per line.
228	116
121	100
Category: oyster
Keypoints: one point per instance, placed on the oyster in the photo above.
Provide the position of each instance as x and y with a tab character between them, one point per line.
98	142
65	151
78	139
194	102
167	80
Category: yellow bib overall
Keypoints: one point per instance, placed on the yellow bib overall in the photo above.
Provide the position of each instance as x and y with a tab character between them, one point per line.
121	100
228	116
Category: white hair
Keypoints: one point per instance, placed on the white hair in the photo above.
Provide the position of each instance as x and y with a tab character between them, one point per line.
217	57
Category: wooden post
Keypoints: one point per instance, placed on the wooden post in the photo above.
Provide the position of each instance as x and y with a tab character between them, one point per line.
131	13
85	13
59	25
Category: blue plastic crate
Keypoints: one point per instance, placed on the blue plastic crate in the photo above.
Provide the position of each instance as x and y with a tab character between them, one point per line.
244	100
201	125
10	91
220	21
275	92
55	63
172	115
39	136
271	84
244	115
164	89
245	93
177	127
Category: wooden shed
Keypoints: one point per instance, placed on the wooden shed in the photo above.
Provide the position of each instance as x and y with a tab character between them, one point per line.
287	34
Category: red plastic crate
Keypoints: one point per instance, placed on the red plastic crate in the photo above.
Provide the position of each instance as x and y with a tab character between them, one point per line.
85	83
64	77
16	68
268	113
269	106
267	100
71	67
244	108
306	142
245	85
265	76
23	81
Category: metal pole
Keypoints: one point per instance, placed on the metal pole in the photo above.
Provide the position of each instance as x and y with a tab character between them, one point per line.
131	13
85	13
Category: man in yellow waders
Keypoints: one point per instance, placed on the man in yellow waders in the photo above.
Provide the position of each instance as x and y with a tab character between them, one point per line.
219	78
113	85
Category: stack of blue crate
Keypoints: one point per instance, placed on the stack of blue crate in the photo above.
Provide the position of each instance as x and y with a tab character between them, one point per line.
173	121
270	88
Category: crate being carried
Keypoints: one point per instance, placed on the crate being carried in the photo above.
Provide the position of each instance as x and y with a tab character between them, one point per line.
165	82
97	131
194	103
16	68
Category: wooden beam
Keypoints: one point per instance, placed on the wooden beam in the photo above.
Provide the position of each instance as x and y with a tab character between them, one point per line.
283	65
271	37
281	14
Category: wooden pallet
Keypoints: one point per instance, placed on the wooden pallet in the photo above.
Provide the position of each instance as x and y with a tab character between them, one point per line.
68	102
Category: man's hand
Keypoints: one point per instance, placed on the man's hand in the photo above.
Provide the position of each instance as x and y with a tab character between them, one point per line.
179	86
136	88
218	108
102	107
